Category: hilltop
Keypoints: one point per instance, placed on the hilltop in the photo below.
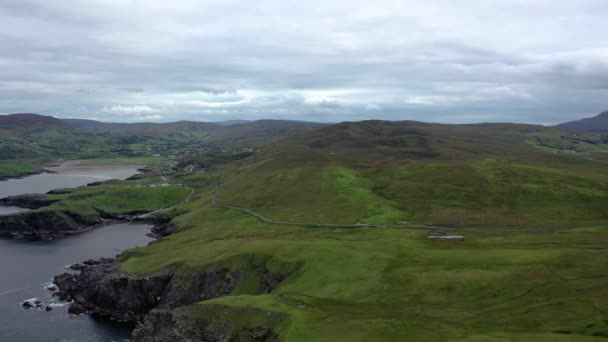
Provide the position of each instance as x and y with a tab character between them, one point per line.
598	123
30	122
454	175
529	201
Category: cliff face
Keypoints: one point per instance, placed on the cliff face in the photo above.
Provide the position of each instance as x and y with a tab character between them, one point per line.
199	323
159	301
103	289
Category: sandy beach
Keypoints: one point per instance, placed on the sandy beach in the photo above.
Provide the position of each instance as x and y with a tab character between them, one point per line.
80	166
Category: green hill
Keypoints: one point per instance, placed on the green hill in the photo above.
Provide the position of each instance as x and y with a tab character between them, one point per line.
31	140
545	282
454	175
265	259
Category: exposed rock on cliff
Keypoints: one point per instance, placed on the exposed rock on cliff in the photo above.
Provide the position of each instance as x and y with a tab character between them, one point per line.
103	289
31	201
199	322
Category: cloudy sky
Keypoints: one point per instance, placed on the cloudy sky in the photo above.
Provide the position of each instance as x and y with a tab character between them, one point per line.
535	61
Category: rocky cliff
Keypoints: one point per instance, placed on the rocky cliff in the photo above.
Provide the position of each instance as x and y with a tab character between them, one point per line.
158	301
210	323
30	201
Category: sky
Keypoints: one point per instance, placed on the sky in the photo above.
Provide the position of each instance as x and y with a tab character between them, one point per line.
528	61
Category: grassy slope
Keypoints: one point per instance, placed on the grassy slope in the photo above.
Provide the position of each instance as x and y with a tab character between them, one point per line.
452	175
119	197
380	284
395	284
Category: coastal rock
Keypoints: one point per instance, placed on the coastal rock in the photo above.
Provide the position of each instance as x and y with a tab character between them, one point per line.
46	224
208	323
162	229
30	201
76	267
104	290
17	175
76	309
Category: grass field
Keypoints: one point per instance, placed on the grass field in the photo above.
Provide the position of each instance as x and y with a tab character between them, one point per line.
120	200
531	266
485	192
377	284
14	167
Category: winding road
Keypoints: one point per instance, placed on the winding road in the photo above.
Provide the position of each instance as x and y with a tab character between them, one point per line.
261	217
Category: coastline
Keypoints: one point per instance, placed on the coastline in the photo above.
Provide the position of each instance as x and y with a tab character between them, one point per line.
160	305
72	166
19	175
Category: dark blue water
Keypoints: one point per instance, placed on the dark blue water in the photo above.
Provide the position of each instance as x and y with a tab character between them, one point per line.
27	267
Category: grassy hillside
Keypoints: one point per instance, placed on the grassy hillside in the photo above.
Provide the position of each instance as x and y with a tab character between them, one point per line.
470	175
540	277
387	284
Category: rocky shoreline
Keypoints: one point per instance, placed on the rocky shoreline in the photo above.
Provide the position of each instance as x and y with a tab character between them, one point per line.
47	224
158	304
55	223
19	175
29	201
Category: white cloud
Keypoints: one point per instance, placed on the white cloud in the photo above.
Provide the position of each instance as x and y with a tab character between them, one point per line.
373	108
138	109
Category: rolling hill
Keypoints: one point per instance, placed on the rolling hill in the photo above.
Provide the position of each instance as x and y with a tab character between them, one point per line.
34	140
490	175
527	203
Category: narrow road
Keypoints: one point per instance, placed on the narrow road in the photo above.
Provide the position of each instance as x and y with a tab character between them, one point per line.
146	215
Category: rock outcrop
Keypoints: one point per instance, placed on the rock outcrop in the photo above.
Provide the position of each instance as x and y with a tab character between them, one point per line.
102	289
17	175
46	224
196	323
30	201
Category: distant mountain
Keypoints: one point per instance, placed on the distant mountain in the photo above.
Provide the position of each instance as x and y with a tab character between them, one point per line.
89	124
29	121
597	123
231	122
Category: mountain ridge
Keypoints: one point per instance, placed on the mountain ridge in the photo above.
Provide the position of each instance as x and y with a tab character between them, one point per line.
598	123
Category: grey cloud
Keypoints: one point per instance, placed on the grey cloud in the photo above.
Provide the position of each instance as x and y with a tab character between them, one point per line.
535	61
